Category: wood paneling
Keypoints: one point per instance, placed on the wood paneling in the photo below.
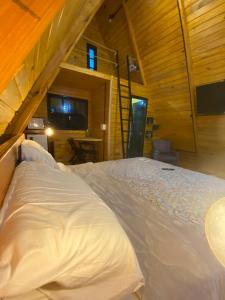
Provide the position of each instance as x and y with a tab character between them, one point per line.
206	29
100	99
159	38
21	27
62	150
59	36
116	34
83	86
78	56
8	161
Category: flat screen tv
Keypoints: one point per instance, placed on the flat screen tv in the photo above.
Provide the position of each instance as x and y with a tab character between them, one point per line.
211	99
67	113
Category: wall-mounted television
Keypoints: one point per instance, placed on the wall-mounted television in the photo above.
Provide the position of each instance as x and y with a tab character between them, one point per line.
67	113
211	99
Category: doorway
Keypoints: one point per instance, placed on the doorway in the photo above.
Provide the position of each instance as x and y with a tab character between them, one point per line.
137	126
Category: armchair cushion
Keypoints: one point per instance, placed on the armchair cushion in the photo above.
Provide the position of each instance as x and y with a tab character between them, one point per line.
162	152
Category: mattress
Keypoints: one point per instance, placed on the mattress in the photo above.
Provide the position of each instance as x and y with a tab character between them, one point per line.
162	209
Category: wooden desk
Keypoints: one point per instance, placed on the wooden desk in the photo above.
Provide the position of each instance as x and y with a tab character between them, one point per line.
87	139
91	140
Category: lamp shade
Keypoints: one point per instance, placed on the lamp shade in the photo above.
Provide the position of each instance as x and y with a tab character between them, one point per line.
215	229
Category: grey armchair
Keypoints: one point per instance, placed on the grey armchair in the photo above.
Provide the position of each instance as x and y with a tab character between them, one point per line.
161	150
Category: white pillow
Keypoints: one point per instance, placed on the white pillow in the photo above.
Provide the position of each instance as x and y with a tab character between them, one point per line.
32	151
59	235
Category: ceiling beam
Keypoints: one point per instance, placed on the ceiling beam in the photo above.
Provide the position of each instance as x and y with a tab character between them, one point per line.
21	27
187	52
132	34
19	122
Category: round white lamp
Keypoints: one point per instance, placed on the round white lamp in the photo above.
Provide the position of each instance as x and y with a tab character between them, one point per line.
215	229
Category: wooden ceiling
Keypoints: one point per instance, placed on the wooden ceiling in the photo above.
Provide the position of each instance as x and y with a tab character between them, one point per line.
60	34
22	23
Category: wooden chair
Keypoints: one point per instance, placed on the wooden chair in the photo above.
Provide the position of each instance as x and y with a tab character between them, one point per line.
82	152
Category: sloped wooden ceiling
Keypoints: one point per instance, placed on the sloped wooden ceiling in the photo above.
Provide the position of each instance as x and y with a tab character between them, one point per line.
116	34
39	68
159	38
22	23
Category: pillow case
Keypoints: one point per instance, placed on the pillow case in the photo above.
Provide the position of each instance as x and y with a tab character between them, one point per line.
32	151
57	235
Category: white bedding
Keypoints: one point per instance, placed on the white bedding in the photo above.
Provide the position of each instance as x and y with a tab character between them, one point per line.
59	237
37	295
34	295
163	212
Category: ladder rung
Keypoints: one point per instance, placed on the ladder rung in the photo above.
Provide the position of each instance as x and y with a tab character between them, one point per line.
125	108
125	97
125	119
125	130
124	86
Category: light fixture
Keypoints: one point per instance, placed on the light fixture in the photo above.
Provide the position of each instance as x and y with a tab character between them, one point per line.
215	229
49	131
112	16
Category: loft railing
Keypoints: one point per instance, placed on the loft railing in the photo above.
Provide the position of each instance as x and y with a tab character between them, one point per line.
106	57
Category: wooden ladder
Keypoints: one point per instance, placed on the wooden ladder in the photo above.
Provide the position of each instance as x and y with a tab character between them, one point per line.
125	99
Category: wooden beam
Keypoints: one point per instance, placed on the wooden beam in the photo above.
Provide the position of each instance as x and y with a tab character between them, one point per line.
21	27
86	71
132	34
41	86
187	50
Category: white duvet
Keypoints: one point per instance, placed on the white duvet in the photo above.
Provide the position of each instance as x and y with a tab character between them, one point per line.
163	214
59	237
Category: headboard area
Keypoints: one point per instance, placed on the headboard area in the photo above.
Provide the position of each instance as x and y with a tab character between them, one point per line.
8	161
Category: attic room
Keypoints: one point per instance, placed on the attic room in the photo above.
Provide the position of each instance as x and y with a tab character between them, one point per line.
111	150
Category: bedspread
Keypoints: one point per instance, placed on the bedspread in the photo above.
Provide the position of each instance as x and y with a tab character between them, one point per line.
162	211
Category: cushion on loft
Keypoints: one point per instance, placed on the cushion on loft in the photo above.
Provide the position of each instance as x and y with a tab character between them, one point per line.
32	151
56	233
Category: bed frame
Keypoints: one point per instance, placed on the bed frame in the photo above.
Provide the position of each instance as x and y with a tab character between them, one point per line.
9	155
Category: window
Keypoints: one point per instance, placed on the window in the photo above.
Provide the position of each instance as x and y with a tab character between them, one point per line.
67	112
91	57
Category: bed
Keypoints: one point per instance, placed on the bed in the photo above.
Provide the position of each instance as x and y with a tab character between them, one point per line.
58	239
162	209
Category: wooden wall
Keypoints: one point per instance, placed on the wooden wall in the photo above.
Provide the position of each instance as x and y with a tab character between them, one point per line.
78	56
100	108
179	50
206	29
116	34
62	150
158	34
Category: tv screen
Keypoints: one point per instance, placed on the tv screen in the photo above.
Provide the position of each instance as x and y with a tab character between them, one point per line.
67	112
211	99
